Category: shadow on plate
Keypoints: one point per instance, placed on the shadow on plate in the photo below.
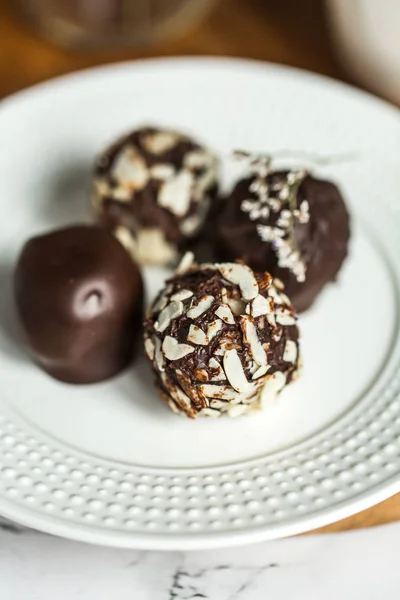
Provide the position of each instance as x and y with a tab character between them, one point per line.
10	334
137	389
68	199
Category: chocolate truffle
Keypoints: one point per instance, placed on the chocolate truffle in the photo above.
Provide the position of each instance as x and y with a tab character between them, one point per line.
79	298
153	190
289	223
221	340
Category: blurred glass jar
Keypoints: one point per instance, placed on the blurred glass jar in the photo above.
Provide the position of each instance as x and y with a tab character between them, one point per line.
367	37
114	22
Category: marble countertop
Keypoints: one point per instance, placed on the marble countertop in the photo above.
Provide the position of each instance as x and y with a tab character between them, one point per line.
350	566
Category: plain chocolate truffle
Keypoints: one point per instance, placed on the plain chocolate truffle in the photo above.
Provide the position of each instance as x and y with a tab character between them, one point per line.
221	340
153	189
79	298
290	224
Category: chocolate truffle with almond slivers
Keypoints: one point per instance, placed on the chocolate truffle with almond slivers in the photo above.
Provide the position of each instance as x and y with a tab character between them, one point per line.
289	223
153	189
79	298
221	339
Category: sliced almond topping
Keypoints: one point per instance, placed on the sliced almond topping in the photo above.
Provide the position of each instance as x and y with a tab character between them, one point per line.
203	304
242	276
123	193
234	372
162	171
217	404
191	225
186	262
210	412
159	142
182	295
236	411
101	190
174	407
170	312
278	284
221	392
159	304
261	306
152	247
130	170
159	356
149	348
261	371
214	328
193	391
176	392
225	313
176	194
217	370
180	396
198	159
173	350
264	280
201	375
274	294
254	402
277	333
271	320
220	351
290	352
197	336
252	339
237	307
223	346
274	384
125	237
252	366
213	363
285	319
261	323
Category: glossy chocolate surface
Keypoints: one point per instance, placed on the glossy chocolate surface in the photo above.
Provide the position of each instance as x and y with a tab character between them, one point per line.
322	241
157	186
79	298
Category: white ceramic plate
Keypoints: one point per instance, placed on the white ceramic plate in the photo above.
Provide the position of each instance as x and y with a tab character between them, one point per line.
110	463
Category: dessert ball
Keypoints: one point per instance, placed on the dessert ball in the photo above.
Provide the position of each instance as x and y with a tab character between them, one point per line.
290	224
79	298
153	190
221	339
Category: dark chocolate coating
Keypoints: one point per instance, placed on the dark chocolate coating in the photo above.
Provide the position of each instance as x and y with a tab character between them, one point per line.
323	241
79	298
143	210
185	375
208	282
203	245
